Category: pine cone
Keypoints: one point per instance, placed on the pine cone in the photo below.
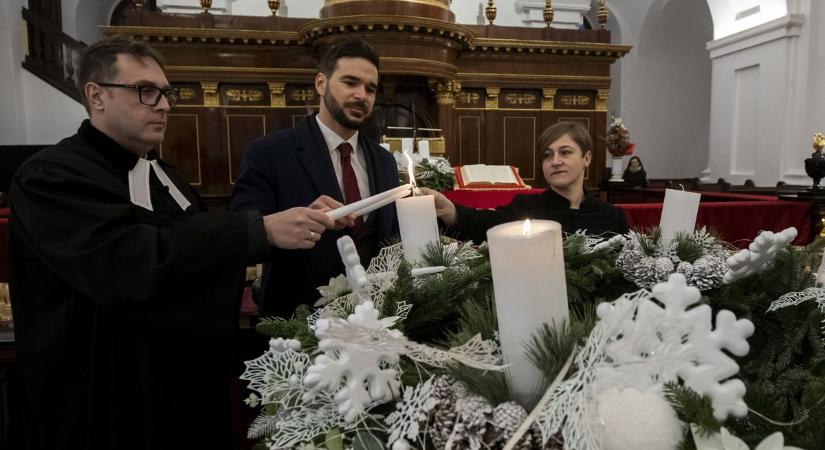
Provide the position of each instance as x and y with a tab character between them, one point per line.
507	418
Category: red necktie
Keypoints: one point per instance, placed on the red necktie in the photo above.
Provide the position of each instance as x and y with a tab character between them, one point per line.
351	192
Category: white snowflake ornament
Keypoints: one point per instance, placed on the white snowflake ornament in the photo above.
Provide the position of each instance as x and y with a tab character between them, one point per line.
726	441
404	422
759	253
358	375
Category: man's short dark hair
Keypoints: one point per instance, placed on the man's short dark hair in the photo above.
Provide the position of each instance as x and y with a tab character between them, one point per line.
577	132
349	49
98	61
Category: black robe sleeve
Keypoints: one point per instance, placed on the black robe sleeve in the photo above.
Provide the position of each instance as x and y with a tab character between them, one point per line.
115	253
472	224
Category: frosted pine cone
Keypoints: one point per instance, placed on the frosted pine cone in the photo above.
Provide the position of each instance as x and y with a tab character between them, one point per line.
708	272
664	267
507	418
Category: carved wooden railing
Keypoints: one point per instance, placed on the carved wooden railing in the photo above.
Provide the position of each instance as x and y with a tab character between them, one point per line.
51	54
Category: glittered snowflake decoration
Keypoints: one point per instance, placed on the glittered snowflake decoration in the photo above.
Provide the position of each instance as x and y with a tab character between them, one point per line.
360	354
797	298
758	255
336	288
645	261
404	423
642	341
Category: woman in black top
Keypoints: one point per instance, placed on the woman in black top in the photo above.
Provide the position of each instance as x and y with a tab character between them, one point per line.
635	172
567	154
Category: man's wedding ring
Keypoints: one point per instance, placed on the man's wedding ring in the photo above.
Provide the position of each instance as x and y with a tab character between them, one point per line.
311	235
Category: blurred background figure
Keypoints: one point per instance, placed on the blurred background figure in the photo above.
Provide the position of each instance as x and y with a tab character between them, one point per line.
635	173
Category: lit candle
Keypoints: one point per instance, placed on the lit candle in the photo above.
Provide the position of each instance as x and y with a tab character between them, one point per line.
678	213
527	262
416	220
361	205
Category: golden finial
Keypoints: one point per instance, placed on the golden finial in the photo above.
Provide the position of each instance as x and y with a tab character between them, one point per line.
490	11
602	16
138	4
548	13
819	141
274	5
206	4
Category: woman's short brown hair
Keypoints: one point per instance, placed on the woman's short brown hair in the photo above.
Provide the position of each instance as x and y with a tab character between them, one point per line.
575	130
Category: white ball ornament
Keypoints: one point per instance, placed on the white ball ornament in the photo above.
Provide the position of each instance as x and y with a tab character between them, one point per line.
401	444
633	420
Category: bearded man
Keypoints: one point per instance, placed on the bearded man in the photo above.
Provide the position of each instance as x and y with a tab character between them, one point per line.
323	154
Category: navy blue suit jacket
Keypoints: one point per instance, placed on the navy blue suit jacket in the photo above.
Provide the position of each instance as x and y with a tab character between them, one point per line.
292	168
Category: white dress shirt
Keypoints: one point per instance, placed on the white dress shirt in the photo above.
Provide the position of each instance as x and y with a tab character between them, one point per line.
356	158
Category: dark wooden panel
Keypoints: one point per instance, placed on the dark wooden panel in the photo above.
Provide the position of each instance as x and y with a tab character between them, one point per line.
182	145
469	138
302	95
240	129
190	94
584	100
470	98
519	134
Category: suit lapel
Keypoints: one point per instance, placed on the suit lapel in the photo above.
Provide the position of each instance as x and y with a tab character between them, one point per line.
314	155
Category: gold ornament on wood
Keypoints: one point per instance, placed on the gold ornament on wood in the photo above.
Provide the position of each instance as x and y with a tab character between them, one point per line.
548	13
138	4
490	11
274	5
819	141
206	4
602	16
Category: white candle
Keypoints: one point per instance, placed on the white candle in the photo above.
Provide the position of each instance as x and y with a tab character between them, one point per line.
530	289
407	145
678	213
418	225
424	148
384	202
362	204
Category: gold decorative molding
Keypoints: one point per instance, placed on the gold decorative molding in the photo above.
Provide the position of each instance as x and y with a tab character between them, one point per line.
244	95
518	98
187	93
205	35
210	93
303	95
206	4
548	99
601	100
276	95
469	98
445	90
492	97
361	23
436	3
553	47
574	100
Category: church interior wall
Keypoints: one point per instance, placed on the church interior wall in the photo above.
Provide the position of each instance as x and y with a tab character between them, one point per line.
657	88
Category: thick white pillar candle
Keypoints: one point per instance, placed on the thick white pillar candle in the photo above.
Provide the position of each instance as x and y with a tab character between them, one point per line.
407	146
679	213
530	289
418	225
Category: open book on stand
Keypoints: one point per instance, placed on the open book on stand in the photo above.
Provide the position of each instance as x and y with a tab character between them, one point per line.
482	176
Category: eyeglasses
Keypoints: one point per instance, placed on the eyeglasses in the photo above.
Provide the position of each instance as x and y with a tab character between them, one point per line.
149	95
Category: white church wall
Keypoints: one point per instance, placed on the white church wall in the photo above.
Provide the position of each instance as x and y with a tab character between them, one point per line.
12	120
755	104
664	83
50	115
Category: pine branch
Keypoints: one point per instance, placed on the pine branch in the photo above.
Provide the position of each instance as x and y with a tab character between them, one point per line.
692	407
550	347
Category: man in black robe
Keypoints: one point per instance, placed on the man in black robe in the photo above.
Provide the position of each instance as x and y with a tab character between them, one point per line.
125	291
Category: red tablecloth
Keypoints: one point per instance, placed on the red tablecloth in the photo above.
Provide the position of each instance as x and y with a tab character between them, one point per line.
737	217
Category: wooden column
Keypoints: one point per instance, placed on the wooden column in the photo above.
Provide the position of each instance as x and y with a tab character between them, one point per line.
446	92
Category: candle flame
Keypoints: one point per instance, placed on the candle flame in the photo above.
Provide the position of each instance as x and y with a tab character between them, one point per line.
525	229
411	170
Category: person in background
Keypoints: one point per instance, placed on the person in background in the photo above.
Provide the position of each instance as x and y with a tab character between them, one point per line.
567	149
125	290
324	154
635	173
